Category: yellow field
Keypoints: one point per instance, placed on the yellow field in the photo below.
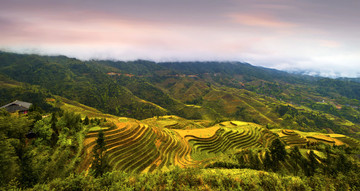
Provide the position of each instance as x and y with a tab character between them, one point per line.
203	133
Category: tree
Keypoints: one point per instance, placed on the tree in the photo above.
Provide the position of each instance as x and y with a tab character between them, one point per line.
86	121
28	177
53	122
255	162
8	161
343	164
100	164
55	133
328	166
72	121
278	153
295	158
3	112
241	160
35	116
312	163
35	108
267	161
13	148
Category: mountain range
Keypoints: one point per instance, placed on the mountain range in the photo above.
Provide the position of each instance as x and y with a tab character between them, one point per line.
214	91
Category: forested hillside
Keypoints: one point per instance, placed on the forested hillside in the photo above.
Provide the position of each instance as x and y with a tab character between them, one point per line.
195	90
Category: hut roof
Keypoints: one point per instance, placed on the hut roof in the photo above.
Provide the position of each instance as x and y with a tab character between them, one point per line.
17	105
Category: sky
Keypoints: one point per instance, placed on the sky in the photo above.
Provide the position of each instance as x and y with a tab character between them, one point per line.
318	36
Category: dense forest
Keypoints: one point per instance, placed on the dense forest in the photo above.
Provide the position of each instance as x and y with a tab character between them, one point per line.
76	101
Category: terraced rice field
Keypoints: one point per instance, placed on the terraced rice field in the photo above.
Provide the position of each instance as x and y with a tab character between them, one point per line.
321	138
349	141
267	138
292	138
232	136
171	122
134	147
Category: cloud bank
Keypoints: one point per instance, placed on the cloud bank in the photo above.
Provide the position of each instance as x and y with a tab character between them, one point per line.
318	36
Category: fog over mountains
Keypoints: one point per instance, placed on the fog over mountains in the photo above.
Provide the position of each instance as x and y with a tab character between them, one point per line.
331	71
329	74
317	38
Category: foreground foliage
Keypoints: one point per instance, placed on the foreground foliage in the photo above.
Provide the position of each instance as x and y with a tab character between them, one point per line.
199	179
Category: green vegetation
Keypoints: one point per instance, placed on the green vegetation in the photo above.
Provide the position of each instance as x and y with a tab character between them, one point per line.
195	179
140	125
278	153
53	153
100	162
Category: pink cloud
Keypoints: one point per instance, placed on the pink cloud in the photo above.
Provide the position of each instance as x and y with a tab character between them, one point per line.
82	28
329	43
259	21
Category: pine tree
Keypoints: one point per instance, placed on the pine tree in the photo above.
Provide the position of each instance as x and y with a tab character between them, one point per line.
53	122
328	163
241	160
8	161
86	121
312	163
255	162
278	153
55	133
100	164
296	158
343	164
267	161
